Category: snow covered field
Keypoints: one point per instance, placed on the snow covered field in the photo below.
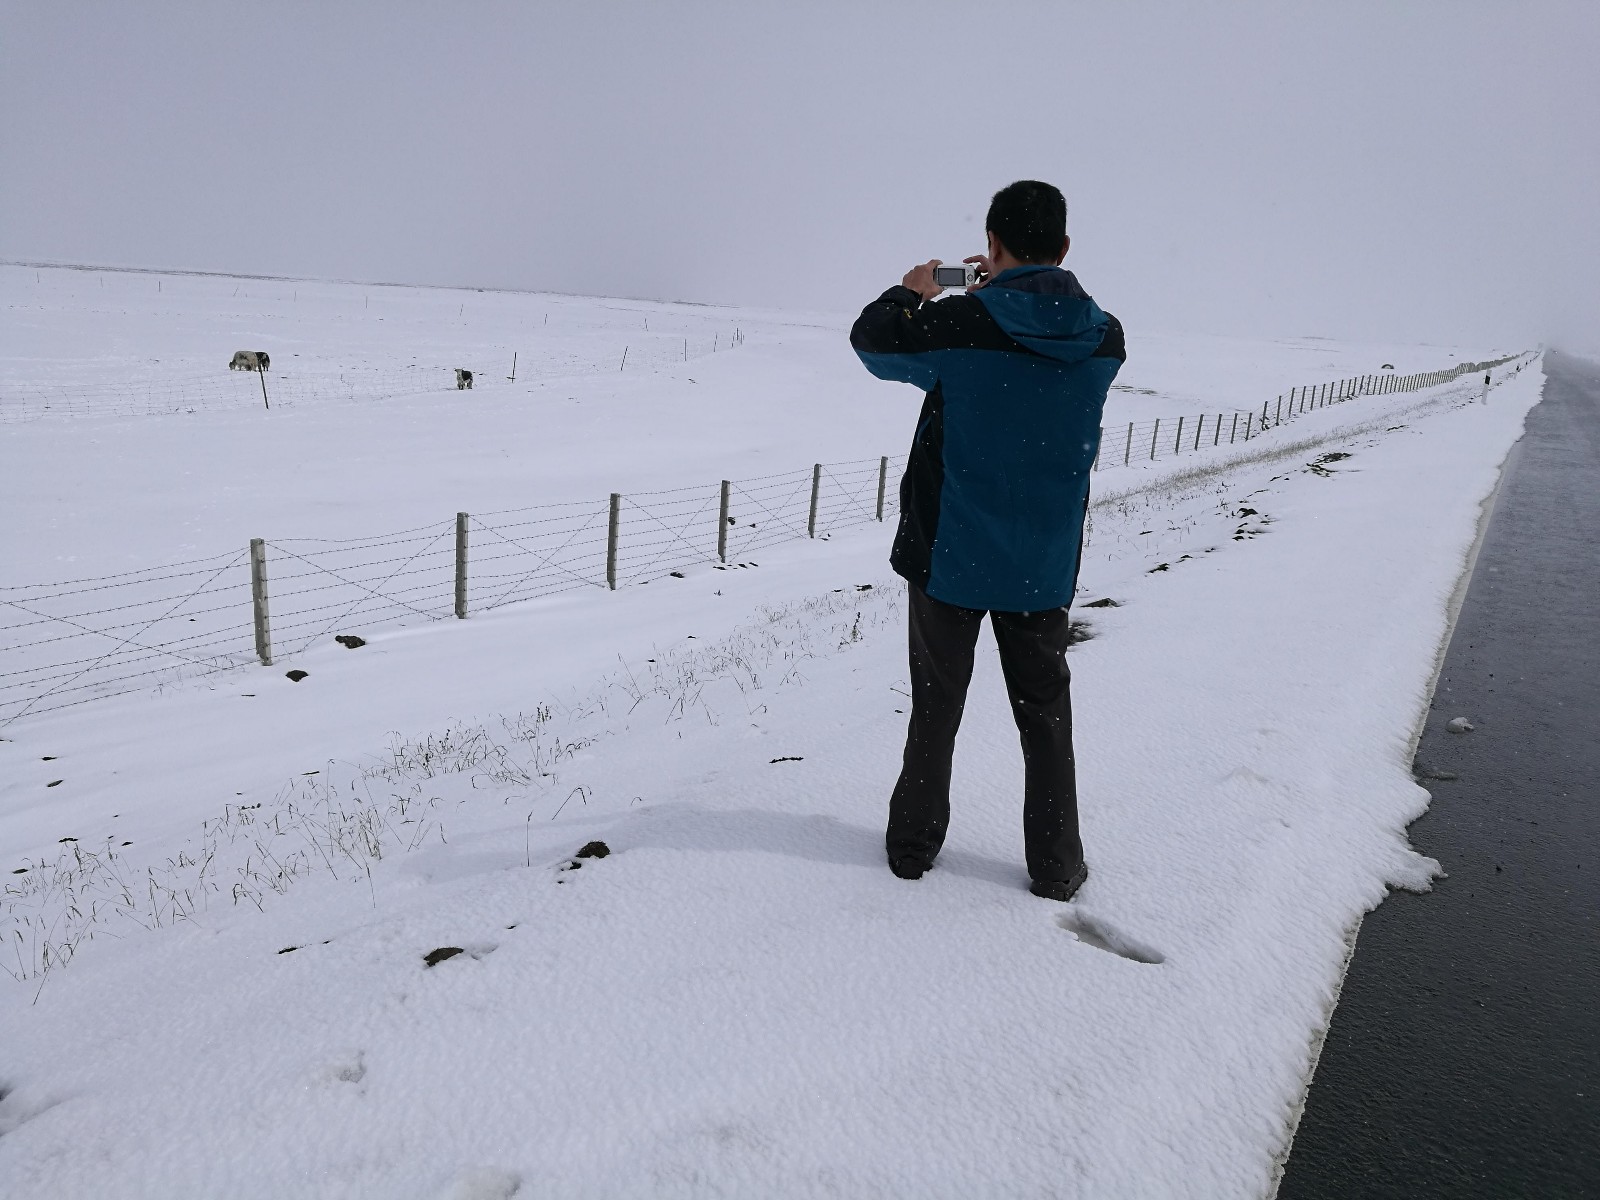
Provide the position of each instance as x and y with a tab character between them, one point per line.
572	427
244	875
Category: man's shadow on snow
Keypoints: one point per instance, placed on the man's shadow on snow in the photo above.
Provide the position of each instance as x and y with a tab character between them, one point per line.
809	836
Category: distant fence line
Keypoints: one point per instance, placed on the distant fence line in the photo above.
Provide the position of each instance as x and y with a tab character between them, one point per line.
74	641
229	391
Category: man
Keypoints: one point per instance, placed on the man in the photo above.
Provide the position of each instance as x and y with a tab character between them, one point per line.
991	512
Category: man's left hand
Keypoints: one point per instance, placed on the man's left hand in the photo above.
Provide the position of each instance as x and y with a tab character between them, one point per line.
920	280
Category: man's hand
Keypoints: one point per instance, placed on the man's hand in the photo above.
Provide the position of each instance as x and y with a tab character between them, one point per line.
920	280
985	270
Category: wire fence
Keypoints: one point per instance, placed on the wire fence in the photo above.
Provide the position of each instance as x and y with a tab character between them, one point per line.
70	642
1164	437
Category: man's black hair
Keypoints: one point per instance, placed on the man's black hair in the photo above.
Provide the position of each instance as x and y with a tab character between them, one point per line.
1030	219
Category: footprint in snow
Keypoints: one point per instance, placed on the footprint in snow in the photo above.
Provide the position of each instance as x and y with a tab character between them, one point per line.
350	1068
1094	932
483	1183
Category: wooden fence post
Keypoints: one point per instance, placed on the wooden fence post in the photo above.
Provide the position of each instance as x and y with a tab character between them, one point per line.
883	482
611	541
258	600
1248	417
1154	434
1127	451
260	370
816	486
722	525
1177	441
461	566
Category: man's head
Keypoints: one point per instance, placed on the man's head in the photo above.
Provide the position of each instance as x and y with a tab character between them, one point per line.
1027	224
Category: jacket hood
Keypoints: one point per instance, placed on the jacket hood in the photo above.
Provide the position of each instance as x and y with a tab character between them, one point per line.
1046	309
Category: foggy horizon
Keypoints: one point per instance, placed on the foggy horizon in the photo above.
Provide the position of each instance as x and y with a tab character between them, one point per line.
1422	175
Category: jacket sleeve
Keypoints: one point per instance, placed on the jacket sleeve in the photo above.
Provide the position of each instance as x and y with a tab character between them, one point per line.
1113	344
893	339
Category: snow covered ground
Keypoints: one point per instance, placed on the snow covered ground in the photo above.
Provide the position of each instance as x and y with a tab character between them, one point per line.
237	883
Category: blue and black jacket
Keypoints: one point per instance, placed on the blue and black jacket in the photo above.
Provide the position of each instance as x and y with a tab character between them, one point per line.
994	495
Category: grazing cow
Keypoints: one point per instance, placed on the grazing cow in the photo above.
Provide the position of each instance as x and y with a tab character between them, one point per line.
245	360
264	363
463	379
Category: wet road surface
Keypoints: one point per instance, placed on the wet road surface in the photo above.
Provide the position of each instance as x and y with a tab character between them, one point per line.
1463	1059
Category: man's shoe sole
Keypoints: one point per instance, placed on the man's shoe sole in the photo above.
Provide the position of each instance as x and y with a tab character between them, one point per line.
1060	889
907	868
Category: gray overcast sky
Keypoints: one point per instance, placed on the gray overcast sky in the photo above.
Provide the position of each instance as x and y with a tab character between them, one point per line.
1427	172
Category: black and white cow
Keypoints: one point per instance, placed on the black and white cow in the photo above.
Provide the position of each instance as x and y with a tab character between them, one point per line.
463	380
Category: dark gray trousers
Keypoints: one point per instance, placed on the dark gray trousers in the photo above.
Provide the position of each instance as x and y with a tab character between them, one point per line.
1033	656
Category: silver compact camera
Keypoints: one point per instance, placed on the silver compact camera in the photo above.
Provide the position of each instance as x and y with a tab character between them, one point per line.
960	275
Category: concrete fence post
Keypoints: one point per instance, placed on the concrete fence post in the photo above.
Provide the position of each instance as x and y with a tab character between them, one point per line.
883	481
461	566
1127	451
816	487
611	541
722	525
258	600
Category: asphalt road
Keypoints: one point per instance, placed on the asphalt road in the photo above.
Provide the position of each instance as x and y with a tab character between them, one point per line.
1463	1059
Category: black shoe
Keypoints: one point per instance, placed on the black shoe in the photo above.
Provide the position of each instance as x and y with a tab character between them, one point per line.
1060	889
907	868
